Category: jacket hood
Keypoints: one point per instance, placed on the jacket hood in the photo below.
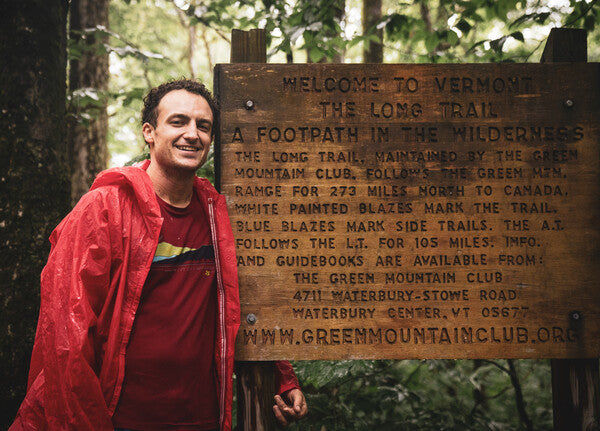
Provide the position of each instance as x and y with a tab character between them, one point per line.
136	180
136	177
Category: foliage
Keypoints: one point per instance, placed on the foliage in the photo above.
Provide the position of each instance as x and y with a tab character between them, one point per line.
357	395
148	40
421	395
478	30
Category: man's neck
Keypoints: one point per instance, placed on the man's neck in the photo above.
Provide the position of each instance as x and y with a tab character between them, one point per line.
176	189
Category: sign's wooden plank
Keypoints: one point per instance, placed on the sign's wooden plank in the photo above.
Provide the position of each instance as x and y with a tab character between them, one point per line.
413	211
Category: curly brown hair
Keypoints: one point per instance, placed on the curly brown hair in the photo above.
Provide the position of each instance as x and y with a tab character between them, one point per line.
154	96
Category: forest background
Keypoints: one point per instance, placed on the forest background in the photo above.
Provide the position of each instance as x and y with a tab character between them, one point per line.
71	83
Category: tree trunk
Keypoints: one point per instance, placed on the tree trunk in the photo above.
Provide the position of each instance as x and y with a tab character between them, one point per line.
34	177
87	137
340	12
372	51
191	47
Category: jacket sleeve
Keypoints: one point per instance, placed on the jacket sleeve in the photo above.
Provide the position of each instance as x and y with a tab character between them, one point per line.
64	390
286	378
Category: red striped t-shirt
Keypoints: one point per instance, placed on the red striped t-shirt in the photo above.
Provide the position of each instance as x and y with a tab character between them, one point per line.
170	380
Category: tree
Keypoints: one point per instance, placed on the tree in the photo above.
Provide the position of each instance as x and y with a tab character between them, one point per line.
34	174
371	17
88	85
323	34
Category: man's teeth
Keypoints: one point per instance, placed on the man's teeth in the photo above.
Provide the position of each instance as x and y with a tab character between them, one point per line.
186	148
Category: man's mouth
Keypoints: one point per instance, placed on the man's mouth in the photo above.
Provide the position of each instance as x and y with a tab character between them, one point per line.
187	148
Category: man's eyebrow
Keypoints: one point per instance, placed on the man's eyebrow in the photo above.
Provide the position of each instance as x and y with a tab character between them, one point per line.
178	115
204	121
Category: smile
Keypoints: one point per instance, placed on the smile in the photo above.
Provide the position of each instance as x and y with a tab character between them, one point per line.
186	148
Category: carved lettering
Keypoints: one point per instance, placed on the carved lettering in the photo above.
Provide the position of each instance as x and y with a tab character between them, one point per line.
435	211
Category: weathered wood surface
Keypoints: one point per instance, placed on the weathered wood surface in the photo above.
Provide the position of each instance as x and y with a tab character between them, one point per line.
575	382
575	392
255	380
248	46
565	45
464	196
256	388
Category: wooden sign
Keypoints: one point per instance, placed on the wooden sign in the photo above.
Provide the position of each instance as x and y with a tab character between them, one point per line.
413	211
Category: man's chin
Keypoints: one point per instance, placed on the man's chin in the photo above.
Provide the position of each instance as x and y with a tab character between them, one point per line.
192	164
184	169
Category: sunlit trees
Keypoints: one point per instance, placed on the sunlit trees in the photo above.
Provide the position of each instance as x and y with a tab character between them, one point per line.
155	38
88	85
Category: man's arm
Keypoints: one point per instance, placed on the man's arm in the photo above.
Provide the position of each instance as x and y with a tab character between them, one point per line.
290	404
64	390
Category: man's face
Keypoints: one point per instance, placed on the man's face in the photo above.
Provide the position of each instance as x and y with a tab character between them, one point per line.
183	133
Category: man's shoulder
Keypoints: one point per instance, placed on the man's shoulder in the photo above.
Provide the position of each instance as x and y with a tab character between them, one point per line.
205	189
131	181
126	176
112	187
114	194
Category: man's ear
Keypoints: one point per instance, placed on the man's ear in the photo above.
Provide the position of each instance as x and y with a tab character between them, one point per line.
147	131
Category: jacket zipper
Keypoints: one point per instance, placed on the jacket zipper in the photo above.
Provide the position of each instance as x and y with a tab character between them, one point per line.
221	300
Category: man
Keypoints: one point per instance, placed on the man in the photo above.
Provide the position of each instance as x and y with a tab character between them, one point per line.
139	300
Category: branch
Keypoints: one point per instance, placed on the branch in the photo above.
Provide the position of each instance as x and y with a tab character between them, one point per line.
426	17
497	365
191	38
582	14
207	47
514	378
534	50
412	374
374	373
216	30
487	397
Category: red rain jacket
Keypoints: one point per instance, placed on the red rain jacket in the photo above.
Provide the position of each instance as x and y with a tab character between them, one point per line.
90	289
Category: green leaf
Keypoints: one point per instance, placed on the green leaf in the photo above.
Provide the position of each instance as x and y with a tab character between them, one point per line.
431	42
518	36
145	155
541	18
475	45
464	26
74	50
132	96
478	18
316	54
452	37
529	17
374	38
396	23
589	23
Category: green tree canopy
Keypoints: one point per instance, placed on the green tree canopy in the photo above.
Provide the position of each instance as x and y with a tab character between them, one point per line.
155	40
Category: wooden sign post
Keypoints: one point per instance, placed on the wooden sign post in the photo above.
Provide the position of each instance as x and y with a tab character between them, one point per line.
575	382
255	380
413	211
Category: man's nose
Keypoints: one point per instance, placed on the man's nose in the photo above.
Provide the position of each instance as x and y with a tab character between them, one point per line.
191	132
